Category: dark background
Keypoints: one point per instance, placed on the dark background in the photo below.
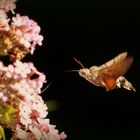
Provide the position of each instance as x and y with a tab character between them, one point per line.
92	32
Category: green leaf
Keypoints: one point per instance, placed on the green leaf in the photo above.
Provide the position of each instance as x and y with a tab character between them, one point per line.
2	134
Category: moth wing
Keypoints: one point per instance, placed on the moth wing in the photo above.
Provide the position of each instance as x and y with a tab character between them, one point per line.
117	66
116	60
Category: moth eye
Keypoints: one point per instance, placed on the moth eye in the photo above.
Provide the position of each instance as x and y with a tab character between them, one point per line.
83	72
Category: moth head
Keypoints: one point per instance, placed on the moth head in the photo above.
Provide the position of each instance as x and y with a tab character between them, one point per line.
84	72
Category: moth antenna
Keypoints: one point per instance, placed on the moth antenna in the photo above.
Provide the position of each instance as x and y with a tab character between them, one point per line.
79	62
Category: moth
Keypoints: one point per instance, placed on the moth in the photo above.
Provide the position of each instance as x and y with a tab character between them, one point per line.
109	75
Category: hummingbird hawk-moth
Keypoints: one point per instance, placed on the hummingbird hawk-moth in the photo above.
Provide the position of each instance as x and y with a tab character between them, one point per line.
110	74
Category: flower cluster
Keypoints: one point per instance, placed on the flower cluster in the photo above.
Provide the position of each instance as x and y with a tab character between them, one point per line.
22	109
19	35
5	7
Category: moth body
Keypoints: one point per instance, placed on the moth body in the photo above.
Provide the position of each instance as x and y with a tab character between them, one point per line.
91	77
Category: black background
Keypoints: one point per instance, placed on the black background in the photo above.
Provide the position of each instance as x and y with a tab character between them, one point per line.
92	32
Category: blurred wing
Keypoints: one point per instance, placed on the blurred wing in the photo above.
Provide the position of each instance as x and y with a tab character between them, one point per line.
117	66
117	59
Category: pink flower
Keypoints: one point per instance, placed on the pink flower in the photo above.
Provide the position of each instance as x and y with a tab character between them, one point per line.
4	26
28	31
23	135
7	5
3	97
18	38
22	69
